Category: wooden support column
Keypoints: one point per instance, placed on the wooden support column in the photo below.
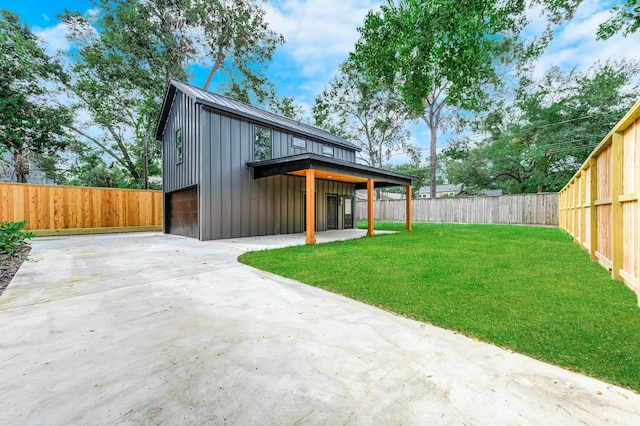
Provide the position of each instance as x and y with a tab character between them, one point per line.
310	177
369	207
616	207
408	209
593	210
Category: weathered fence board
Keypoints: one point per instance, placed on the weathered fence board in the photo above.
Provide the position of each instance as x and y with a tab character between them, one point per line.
49	207
599	206
525	209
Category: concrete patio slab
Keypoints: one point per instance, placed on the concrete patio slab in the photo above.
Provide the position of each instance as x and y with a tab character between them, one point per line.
151	328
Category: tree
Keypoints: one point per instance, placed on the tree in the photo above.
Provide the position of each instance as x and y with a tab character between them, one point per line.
437	56
286	107
538	142
370	116
412	168
625	19
32	122
93	170
128	49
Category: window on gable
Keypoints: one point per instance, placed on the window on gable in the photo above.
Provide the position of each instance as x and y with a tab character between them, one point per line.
179	146
262	144
327	150
299	143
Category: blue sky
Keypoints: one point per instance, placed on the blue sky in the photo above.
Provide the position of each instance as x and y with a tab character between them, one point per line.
320	33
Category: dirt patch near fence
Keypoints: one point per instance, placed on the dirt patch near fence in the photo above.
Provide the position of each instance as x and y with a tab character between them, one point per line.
9	266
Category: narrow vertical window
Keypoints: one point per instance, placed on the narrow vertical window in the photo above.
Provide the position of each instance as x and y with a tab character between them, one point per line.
179	146
262	144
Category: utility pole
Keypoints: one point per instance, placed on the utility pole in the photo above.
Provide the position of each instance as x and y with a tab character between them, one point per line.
145	167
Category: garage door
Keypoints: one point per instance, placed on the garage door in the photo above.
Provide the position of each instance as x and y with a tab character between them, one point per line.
183	212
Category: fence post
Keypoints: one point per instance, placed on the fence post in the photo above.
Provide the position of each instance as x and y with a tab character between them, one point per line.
408	212
593	210
616	206
574	226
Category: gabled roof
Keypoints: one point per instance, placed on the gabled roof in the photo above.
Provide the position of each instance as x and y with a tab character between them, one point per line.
231	106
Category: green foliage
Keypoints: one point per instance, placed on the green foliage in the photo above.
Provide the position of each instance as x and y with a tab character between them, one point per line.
438	58
413	169
370	116
527	289
13	237
286	107
540	140
93	170
32	122
127	50
626	19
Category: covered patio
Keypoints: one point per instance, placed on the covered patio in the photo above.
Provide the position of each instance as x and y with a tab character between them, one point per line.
314	166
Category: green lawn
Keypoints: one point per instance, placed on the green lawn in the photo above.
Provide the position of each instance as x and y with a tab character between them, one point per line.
527	289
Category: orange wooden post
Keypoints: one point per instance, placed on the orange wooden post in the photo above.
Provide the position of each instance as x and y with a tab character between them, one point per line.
408	213
310	178
369	207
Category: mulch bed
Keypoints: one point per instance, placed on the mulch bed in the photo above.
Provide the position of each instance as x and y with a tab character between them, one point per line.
9	266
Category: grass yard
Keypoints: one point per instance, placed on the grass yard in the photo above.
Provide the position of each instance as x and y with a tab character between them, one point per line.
527	289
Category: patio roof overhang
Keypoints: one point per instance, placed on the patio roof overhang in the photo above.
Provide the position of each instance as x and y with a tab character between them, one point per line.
314	166
329	169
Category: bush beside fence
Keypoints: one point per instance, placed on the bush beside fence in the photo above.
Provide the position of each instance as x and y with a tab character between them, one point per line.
50	207
525	209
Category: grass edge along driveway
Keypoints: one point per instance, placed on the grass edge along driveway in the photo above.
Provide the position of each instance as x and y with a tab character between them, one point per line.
530	290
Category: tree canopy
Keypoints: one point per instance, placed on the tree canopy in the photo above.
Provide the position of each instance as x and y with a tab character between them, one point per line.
435	61
127	50
370	116
32	121
625	19
439	54
540	140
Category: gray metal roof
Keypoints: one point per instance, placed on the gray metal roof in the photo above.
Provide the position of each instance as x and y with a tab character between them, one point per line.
231	106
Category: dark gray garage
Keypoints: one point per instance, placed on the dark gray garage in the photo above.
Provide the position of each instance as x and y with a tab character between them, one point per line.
232	170
182	212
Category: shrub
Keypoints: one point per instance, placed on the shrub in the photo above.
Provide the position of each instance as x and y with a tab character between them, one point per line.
13	237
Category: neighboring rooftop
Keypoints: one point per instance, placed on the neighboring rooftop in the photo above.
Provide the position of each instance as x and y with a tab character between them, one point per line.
444	188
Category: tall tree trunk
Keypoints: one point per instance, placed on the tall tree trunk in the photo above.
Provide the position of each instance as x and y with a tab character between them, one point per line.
215	67
20	166
433	162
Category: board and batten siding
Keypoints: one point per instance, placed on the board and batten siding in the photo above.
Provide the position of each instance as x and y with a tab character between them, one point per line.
282	142
184	115
232	203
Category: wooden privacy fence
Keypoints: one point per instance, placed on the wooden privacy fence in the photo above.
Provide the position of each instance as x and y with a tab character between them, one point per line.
599	206
525	209
54	208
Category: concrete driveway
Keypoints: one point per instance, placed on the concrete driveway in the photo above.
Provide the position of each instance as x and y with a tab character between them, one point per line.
157	329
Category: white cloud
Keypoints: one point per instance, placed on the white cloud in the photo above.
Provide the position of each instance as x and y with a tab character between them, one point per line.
575	44
319	34
54	38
